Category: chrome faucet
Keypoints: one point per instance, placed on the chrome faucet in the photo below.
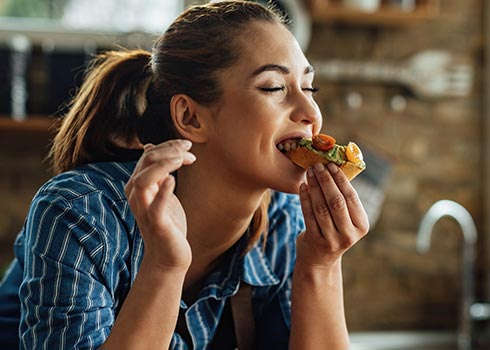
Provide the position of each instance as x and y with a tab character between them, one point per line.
447	208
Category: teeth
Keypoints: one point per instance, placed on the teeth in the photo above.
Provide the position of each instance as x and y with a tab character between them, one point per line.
287	145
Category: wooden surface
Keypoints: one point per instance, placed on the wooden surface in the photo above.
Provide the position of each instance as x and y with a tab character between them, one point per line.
31	123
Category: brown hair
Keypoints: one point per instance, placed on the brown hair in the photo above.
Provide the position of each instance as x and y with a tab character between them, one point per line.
128	93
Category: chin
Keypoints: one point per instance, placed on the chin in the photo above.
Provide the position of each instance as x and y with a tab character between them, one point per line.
290	185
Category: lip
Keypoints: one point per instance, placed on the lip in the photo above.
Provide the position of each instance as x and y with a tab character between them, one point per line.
292	136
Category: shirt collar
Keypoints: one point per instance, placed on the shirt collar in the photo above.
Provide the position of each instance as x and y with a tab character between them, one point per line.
257	270
254	268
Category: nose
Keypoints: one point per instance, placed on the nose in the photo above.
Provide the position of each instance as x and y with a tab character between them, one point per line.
306	110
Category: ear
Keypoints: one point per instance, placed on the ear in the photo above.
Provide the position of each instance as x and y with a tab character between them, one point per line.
189	117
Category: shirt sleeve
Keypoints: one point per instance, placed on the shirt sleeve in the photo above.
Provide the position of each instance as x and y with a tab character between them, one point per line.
66	301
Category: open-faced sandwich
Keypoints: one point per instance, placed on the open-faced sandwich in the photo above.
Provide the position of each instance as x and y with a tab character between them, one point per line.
323	149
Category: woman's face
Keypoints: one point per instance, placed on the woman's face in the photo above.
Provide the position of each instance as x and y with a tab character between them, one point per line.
267	99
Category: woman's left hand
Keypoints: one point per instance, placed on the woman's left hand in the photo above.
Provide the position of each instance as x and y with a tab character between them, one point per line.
334	216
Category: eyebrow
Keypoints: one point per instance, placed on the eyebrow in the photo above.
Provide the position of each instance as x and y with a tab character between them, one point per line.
279	68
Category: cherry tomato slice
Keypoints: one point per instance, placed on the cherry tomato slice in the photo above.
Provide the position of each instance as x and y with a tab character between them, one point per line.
323	142
353	153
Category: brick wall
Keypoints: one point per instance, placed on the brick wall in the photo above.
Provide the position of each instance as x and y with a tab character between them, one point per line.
435	148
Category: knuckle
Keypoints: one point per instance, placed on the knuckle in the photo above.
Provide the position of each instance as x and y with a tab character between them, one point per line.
310	215
348	242
149	158
341	178
337	202
321	209
172	144
175	145
352	197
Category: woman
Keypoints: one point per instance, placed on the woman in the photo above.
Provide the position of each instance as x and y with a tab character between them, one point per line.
224	85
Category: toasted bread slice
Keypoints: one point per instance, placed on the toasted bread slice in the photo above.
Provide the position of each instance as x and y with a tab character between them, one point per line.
305	158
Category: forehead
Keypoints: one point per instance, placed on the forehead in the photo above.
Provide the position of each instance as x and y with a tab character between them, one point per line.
263	42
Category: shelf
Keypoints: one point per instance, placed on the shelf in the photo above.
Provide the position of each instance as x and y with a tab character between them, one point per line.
325	11
55	35
31	123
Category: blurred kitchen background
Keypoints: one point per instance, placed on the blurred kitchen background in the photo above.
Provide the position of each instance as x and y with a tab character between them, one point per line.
405	79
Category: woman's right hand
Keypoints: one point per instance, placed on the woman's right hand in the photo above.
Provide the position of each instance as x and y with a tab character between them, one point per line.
158	212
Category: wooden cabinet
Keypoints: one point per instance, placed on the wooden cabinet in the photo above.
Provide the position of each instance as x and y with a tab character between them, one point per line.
335	11
41	124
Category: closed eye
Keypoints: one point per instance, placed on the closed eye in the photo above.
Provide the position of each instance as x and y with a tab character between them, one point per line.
272	89
312	89
280	88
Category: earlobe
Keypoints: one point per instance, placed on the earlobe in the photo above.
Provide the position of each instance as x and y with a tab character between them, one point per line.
186	115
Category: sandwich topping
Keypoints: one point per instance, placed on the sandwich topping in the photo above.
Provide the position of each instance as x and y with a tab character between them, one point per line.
335	154
325	146
354	154
323	142
322	148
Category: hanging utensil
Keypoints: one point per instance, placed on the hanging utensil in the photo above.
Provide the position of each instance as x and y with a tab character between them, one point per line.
429	74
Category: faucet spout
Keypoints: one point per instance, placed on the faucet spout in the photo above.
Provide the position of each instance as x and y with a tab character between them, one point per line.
447	208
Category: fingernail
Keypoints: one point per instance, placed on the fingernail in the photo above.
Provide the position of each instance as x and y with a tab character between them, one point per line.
333	167
186	144
303	187
310	172
191	157
319	167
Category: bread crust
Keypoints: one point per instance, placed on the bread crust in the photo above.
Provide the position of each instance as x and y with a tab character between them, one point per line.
305	158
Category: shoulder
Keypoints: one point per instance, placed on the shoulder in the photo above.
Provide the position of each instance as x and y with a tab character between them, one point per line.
81	218
86	202
106	178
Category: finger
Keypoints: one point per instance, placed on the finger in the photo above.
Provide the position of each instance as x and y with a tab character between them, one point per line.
308	212
354	205
173	147
156	163
161	199
179	143
154	153
333	198
319	204
156	173
144	184
148	146
171	160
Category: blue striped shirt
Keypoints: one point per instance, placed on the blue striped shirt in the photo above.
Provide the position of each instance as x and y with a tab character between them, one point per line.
79	253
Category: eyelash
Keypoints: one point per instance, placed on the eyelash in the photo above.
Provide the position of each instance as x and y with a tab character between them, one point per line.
275	89
313	89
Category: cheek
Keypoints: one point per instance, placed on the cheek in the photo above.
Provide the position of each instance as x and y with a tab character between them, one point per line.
250	116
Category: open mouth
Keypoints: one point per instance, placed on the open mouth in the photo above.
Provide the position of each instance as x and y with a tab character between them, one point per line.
287	145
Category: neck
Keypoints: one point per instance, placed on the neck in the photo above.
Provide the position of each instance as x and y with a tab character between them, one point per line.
218	213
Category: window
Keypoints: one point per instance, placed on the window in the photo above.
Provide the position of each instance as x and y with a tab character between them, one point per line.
151	16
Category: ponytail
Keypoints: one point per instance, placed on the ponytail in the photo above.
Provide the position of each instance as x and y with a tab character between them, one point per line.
109	103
